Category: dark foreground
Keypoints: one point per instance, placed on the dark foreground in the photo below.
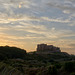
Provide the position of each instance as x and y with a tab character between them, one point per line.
16	61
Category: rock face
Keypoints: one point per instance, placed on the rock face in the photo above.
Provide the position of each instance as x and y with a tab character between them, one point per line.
47	48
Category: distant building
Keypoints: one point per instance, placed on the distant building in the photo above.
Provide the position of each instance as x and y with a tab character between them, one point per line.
47	48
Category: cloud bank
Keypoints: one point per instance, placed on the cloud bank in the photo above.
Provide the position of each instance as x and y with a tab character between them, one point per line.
25	23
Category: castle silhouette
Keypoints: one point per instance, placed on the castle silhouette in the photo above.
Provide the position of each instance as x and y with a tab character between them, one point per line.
47	48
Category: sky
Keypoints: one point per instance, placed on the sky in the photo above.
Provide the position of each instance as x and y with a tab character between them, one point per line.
26	23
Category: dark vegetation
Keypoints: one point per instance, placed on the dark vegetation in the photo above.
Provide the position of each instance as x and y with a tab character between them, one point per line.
7	52
16	61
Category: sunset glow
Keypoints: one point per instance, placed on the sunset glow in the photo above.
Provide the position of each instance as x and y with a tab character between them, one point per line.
26	23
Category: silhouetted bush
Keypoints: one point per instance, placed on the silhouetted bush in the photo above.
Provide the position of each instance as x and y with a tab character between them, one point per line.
73	73
70	66
52	70
58	65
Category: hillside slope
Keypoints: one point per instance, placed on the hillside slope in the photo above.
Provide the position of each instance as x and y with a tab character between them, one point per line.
7	52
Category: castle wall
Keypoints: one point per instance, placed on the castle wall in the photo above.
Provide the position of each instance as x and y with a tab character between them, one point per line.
47	48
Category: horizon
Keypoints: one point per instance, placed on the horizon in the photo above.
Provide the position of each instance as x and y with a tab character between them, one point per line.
34	50
26	23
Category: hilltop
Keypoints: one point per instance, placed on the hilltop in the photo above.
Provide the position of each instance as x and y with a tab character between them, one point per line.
7	52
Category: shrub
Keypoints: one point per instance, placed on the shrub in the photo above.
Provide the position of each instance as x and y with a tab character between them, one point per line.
58	65
52	70
73	73
69	66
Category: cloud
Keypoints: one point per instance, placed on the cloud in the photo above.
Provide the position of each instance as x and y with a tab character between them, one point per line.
36	21
27	29
42	30
56	20
72	45
6	39
18	17
37	29
25	3
66	12
22	17
72	1
31	28
3	28
62	6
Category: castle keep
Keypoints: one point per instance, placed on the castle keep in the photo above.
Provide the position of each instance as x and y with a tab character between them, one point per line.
47	48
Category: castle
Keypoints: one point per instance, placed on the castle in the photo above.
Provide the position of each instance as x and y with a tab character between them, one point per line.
47	48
